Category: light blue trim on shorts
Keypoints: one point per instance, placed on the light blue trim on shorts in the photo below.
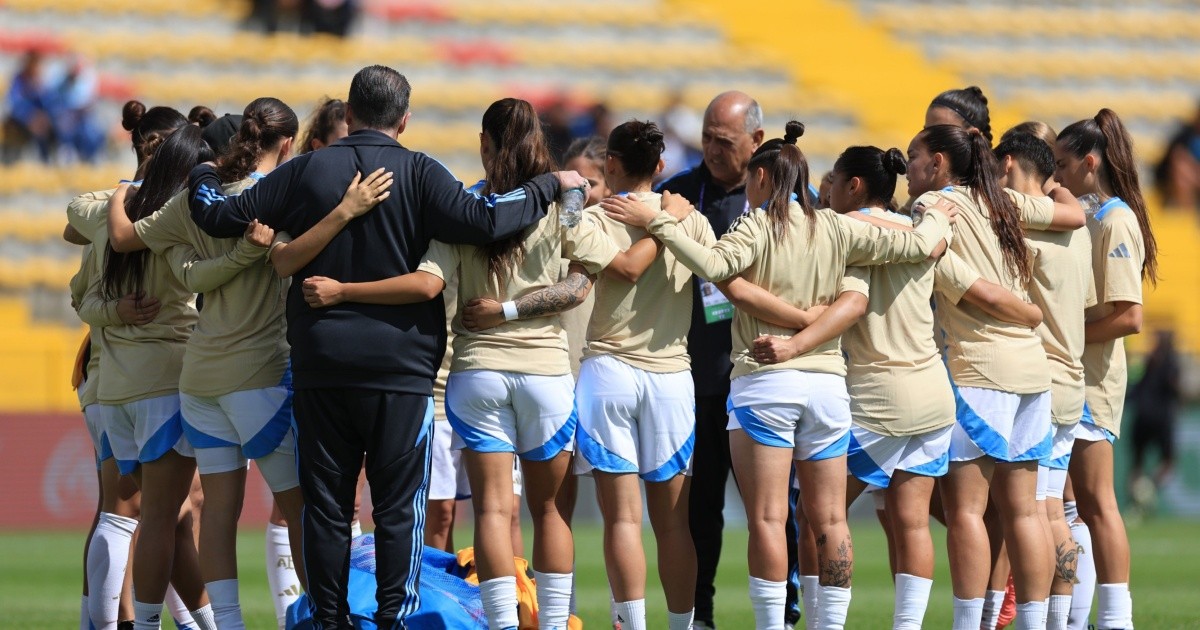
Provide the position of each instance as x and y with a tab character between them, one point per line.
1058	463
163	440
837	449
271	435
474	439
1039	451
557	442
981	433
126	467
676	464
200	439
1089	419
601	458
935	468
756	430
863	467
426	421
106	452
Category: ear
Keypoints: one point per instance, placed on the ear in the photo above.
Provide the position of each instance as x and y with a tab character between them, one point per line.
285	148
610	164
659	169
757	138
855	185
403	122
317	143
1092	162
937	161
349	116
760	176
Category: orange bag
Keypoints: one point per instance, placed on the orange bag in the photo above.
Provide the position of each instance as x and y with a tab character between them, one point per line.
527	607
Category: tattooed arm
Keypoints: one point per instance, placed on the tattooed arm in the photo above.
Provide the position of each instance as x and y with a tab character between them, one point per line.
484	313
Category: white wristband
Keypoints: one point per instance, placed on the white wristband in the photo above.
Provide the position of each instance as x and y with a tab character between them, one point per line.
510	311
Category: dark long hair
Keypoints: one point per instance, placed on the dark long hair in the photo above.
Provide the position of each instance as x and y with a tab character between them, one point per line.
972	164
971	105
328	114
148	128
785	163
520	153
265	122
1106	134
638	145
166	175
877	169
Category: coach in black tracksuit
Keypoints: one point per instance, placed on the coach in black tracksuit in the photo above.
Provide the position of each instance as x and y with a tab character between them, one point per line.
363	374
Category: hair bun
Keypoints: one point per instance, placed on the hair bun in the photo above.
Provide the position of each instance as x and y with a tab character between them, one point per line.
893	162
251	129
201	116
650	134
793	130
978	92
131	114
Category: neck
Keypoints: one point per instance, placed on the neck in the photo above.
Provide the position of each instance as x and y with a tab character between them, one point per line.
1026	185
267	161
391	133
1105	190
729	184
625	185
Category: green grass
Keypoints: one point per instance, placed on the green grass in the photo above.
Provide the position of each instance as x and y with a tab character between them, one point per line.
40	578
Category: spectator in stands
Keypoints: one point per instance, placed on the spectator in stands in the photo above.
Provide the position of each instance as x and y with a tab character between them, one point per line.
71	99
1155	408
680	123
731	132
1178	173
28	118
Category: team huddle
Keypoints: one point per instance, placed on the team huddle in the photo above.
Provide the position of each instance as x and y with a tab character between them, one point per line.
356	307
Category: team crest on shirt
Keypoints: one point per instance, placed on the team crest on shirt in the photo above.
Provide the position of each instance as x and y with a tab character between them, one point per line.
1120	251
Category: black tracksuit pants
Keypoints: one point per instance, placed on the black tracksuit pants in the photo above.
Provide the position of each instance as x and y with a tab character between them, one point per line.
335	428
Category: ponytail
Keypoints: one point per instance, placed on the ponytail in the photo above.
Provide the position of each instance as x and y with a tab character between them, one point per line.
1106	134
148	128
265	123
201	116
787	167
972	164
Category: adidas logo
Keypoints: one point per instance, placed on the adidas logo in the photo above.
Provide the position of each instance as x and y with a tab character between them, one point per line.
154	619
1120	251
291	591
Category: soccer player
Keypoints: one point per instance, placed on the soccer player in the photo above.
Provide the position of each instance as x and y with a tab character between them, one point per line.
789	407
999	370
1095	157
966	108
139	391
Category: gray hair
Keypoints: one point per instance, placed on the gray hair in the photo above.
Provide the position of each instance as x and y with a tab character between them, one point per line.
754	117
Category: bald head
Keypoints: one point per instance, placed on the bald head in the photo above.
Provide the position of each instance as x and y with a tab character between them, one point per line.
732	132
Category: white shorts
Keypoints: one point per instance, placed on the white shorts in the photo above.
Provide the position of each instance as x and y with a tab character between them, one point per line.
1004	426
447	473
1052	470
872	457
505	412
808	412
144	430
1087	431
93	418
256	421
635	421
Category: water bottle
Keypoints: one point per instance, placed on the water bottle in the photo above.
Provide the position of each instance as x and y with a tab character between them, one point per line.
1090	202
570	209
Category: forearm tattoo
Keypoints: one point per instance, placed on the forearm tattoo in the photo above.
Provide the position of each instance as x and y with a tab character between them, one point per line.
555	298
835	571
1066	563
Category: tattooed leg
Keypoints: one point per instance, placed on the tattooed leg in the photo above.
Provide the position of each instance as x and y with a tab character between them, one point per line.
836	568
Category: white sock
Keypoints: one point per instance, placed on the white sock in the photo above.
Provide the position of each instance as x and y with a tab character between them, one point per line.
1045	610
968	613
355	528
226	607
499	596
680	621
573	609
1058	612
147	616
1031	616
832	609
203	618
107	560
912	598
1081	596
810	594
1115	608
281	571
768	599
554	599
992	603
179	611
632	614
85	622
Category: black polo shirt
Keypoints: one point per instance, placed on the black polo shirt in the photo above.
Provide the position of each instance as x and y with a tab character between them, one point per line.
392	348
709	344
